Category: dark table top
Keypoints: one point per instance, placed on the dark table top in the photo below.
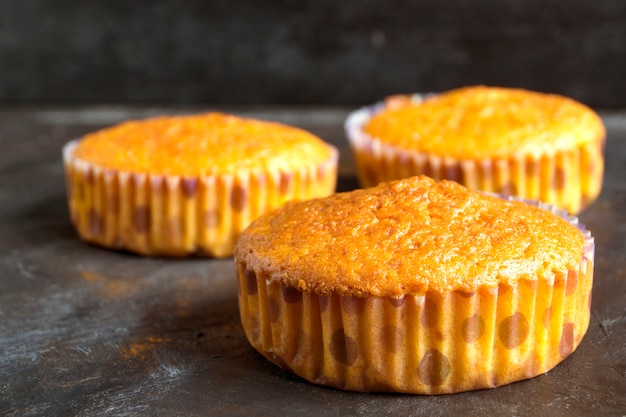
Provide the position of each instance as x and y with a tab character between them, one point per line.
89	332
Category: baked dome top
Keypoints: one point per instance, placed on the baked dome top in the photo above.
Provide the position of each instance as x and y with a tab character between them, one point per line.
485	122
408	237
205	144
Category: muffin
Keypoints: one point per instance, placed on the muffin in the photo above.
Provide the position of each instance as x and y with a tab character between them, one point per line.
511	141
415	286
184	185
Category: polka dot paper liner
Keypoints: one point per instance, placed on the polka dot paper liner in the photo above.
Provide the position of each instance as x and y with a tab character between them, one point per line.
431	343
181	216
570	178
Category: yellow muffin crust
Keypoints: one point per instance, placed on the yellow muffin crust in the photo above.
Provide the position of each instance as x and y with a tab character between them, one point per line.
415	286
408	237
188	185
486	122
205	144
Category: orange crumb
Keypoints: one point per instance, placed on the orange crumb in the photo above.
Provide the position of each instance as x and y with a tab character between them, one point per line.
143	348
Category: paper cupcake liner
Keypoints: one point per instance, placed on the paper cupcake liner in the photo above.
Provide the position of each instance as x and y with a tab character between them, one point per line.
568	178
431	343
180	216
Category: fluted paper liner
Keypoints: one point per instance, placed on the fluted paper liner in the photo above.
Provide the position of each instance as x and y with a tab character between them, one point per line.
430	343
180	216
569	178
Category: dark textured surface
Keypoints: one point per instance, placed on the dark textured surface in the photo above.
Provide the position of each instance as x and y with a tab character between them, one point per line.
310	51
90	332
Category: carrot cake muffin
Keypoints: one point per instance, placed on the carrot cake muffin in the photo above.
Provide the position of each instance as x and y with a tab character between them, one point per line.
415	286
189	184
512	141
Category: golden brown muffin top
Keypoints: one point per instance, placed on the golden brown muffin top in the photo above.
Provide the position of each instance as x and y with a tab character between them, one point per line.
211	143
486	122
407	237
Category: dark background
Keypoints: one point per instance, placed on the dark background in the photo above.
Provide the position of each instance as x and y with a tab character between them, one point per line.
307	51
71	313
